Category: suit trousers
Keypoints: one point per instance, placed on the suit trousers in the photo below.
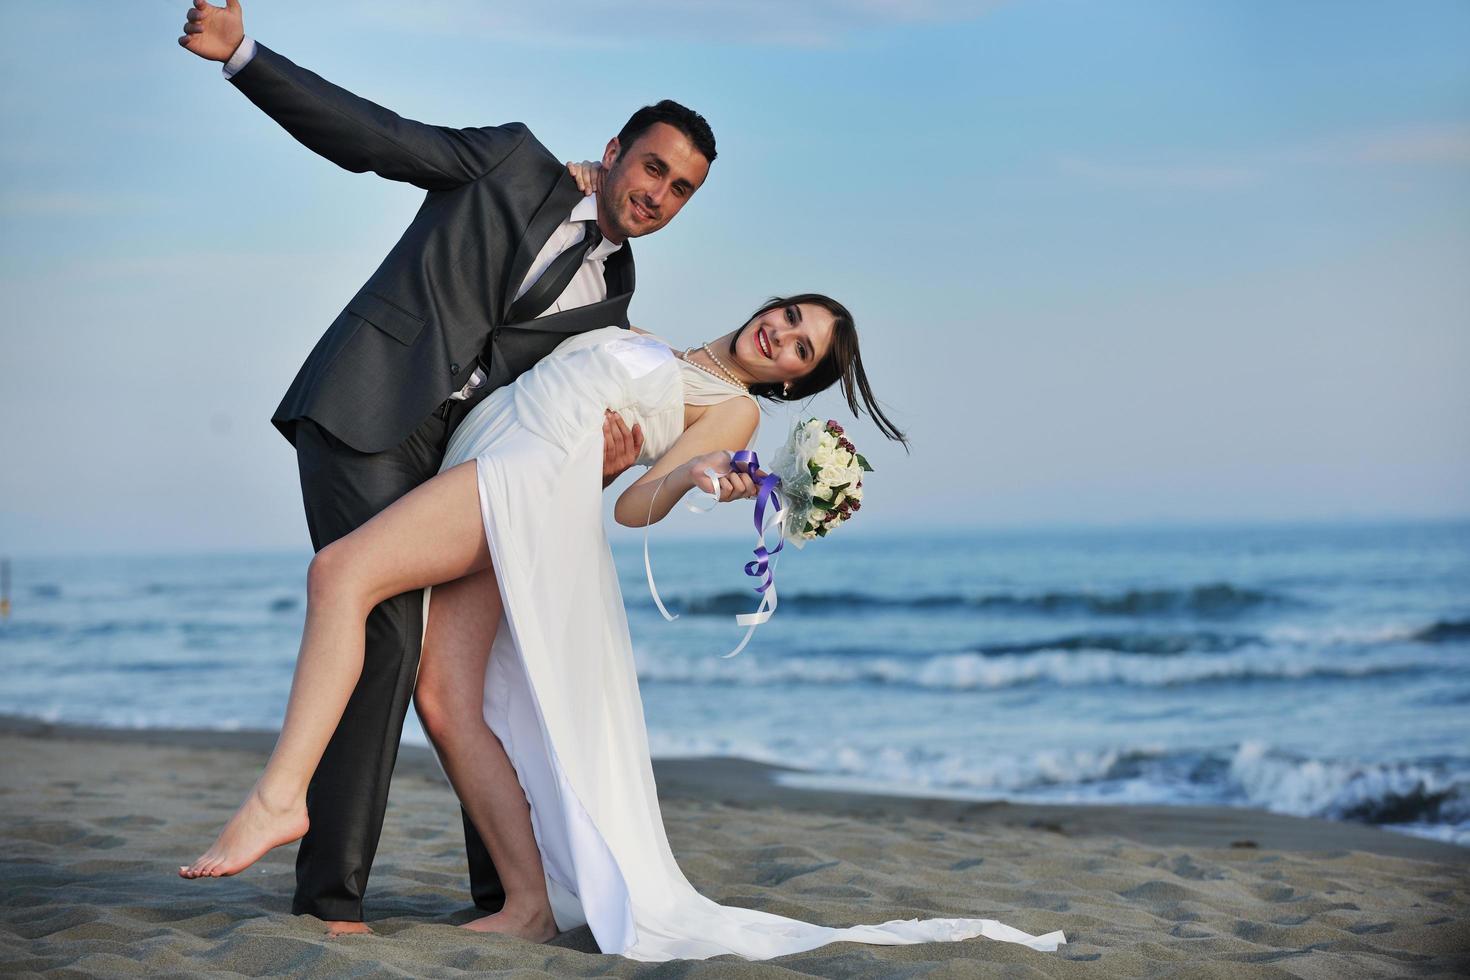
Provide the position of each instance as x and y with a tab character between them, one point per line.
342	489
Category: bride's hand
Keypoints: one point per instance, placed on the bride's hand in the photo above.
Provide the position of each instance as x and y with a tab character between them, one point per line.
730	486
587	174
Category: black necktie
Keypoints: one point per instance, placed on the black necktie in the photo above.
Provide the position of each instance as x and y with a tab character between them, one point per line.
554	280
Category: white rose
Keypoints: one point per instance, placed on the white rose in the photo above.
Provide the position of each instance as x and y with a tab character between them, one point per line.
833	475
821	491
854	492
854	474
829	440
822	456
837	500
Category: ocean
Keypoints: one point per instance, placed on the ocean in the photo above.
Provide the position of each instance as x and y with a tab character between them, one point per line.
1319	670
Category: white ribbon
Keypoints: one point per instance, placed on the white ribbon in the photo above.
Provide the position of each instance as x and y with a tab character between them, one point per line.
767	607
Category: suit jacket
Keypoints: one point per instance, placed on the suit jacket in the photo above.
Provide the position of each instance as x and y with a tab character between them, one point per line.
439	301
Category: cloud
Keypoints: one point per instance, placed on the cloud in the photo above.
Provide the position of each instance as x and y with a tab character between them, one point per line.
1156	174
80	203
594	23
1406	145
1424	143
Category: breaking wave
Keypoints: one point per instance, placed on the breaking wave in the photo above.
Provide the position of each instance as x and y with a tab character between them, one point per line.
1219	599
1066	668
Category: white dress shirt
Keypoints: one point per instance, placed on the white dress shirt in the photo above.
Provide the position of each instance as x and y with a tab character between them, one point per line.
587	286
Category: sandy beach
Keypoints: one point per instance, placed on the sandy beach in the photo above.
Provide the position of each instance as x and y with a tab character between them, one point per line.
95	824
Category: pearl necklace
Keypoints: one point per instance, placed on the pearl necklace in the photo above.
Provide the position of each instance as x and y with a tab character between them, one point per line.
724	373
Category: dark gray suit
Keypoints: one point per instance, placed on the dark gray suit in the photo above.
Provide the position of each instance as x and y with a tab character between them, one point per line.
367	411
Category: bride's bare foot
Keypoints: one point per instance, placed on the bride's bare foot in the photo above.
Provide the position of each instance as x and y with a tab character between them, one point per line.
536	925
254	829
335	929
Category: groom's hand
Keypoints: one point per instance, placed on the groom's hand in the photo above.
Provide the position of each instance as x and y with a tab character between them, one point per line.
620	446
213	33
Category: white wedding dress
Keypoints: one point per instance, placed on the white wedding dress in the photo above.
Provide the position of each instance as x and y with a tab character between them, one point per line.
561	691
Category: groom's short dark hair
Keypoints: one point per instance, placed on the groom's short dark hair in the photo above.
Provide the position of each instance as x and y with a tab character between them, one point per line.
682	118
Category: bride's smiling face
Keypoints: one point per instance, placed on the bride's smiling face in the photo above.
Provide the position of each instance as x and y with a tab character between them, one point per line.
782	344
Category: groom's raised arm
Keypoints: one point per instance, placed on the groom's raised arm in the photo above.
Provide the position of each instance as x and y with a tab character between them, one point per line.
352	132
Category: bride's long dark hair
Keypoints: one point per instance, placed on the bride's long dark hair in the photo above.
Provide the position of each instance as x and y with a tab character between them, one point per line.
844	362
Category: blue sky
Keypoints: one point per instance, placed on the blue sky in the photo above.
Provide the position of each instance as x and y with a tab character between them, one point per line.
1112	263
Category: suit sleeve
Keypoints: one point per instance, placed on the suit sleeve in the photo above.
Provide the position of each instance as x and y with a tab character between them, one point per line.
362	136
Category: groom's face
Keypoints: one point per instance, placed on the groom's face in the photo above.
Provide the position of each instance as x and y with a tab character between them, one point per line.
648	182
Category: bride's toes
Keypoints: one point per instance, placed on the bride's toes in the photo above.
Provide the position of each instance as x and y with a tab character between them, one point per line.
201	865
194	870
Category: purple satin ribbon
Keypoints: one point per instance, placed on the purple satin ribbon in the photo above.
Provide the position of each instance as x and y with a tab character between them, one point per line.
767	505
747	462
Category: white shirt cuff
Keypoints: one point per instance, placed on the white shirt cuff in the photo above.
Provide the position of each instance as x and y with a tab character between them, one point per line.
240	58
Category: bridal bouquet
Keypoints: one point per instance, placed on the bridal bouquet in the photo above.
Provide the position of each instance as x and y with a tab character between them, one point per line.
816	483
821	479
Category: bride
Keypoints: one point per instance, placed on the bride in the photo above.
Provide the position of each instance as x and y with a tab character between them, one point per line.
527	687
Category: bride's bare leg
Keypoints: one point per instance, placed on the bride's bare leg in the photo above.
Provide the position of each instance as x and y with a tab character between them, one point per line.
450	698
431	535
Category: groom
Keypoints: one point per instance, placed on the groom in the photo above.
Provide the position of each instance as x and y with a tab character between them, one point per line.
503	261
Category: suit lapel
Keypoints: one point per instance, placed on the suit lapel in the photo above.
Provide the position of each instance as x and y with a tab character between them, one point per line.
552	212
